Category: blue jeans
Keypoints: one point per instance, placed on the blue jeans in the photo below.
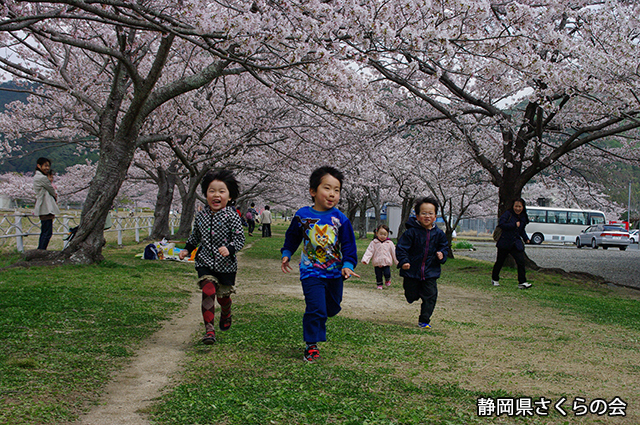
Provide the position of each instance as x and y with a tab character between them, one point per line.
323	298
46	231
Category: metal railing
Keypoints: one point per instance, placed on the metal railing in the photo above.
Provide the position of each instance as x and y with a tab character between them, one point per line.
21	225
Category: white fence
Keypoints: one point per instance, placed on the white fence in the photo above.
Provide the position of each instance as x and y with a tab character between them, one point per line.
20	225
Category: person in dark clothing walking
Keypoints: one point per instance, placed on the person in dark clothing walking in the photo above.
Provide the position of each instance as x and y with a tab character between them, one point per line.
421	249
511	242
251	216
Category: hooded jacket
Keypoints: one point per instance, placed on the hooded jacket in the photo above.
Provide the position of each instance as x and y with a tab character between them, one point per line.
418	246
381	254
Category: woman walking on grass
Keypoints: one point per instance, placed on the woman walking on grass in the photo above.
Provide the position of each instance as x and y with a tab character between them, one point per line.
512	241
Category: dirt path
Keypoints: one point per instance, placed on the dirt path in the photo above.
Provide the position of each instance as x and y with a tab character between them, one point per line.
133	389
501	342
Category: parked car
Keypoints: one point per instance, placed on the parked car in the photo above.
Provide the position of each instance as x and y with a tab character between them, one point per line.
604	235
634	237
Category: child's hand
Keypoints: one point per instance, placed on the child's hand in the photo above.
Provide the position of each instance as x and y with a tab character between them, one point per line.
224	251
286	268
183	254
406	266
347	273
439	255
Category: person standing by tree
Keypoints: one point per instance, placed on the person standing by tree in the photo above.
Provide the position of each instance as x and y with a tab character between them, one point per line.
265	220
511	242
46	201
251	216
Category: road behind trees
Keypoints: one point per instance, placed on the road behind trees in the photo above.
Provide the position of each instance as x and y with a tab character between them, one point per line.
615	266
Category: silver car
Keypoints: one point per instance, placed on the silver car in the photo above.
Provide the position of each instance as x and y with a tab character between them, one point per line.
604	235
633	236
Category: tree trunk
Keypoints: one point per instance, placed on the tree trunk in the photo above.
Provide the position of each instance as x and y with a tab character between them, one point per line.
407	206
86	246
188	209
362	221
166	185
352	208
449	234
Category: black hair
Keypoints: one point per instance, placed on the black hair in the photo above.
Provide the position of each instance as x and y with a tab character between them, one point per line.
226	177
253	204
316	177
426	200
42	160
524	208
267	207
381	226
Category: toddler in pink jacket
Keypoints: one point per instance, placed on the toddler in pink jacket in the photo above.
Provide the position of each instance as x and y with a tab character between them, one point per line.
382	254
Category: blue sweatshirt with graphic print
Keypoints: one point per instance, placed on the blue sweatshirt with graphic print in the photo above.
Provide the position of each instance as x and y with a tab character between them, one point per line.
328	242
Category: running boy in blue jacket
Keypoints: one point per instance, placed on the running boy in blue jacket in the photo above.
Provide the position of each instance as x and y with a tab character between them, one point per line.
329	255
421	249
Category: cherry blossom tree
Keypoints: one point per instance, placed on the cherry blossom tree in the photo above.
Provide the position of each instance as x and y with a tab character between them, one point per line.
106	66
523	83
17	186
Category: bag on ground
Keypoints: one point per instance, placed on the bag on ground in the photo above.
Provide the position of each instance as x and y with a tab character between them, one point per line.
150	252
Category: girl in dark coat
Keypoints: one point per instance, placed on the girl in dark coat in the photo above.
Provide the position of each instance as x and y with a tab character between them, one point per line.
512	242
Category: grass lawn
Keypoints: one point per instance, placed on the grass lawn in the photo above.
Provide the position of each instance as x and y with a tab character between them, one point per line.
64	330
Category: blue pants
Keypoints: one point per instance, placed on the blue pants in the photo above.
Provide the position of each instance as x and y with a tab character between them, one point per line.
323	298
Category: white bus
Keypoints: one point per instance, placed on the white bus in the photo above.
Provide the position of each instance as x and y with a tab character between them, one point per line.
553	224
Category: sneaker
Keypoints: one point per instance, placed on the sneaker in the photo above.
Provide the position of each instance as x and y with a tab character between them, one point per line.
311	353
209	338
225	323
524	285
388	283
379	286
424	325
495	283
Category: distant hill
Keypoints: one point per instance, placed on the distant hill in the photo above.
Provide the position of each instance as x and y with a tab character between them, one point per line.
10	92
61	156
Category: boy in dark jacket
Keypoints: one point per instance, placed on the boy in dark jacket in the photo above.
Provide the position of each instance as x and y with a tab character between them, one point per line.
420	251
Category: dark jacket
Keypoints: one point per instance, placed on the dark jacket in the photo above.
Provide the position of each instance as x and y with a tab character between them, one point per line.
413	248
512	236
